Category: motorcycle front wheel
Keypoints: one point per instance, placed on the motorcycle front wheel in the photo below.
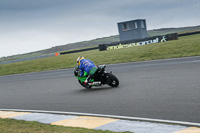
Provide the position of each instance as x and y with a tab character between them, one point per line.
86	86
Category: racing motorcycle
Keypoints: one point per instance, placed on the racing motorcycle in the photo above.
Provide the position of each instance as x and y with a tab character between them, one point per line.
101	77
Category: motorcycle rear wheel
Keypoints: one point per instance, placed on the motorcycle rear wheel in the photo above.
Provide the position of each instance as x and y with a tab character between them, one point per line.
111	80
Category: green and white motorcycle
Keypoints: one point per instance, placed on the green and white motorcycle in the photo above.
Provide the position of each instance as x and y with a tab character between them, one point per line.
101	77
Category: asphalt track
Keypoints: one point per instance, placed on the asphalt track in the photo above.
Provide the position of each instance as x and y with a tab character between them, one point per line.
162	89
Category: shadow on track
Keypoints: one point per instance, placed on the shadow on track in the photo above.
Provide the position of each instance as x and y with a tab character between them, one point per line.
94	90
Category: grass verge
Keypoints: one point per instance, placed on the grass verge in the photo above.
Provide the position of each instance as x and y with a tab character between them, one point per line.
19	126
184	47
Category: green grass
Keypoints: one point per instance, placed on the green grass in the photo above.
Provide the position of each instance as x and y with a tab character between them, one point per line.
19	126
184	47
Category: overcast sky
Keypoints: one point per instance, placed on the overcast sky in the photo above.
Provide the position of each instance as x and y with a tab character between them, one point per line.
31	25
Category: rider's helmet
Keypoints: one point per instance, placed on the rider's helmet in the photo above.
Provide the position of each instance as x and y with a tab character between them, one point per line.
79	59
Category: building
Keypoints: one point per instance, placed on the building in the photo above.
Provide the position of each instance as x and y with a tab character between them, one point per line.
134	29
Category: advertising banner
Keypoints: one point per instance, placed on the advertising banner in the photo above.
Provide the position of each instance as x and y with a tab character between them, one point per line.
138	42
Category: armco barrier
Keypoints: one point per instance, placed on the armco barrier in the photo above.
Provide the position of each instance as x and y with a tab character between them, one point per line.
80	50
190	33
44	56
138	42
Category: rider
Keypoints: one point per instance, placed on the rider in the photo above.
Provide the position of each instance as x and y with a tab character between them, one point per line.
87	66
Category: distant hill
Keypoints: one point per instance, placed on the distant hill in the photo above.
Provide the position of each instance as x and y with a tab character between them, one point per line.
98	41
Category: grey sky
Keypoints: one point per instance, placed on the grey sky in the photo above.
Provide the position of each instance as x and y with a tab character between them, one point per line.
27	25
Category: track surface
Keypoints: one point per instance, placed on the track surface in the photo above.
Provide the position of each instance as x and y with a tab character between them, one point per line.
162	89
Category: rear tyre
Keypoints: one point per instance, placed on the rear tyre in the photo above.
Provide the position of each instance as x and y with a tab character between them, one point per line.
111	80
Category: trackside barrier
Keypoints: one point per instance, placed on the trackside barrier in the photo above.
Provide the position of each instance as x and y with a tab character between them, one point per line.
81	50
138	42
190	33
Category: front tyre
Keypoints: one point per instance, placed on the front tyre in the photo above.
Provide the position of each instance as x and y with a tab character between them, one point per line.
84	85
111	80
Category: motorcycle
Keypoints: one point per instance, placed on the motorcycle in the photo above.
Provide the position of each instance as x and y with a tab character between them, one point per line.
101	77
